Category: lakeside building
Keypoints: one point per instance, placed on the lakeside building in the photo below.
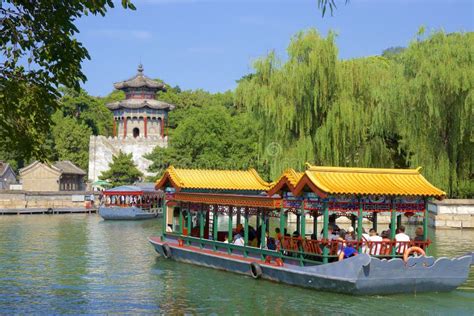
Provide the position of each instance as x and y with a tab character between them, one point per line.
138	126
60	176
7	176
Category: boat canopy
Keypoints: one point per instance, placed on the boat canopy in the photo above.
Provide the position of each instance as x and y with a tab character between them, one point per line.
138	189
192	180
326	181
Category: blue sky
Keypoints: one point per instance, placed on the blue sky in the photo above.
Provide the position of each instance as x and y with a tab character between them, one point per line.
209	44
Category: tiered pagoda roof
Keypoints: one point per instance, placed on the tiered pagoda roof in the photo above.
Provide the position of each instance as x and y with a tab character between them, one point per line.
140	91
140	81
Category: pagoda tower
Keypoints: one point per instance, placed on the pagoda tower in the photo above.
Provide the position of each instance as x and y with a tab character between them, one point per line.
140	114
138	125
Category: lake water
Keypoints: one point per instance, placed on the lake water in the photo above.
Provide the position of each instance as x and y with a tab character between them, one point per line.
80	264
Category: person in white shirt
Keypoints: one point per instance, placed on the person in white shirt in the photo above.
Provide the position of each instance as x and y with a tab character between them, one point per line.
401	236
375	237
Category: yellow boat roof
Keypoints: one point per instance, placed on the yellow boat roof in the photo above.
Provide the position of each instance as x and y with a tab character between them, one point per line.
369	181
233	180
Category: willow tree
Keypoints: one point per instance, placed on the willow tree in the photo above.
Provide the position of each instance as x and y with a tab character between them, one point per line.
413	110
291	100
316	108
435	109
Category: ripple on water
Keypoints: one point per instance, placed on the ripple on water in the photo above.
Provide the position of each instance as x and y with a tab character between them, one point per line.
81	264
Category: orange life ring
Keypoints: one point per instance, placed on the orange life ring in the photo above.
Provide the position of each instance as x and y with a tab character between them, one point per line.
412	249
279	262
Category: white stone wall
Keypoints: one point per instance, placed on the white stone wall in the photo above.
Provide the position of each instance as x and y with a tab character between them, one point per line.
451	213
102	149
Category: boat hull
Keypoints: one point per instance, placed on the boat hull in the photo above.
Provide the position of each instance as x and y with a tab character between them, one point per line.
359	275
125	213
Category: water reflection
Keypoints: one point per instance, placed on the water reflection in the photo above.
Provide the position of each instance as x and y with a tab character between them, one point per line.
81	264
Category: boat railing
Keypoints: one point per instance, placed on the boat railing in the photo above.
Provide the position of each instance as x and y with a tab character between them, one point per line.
297	246
303	250
226	247
143	206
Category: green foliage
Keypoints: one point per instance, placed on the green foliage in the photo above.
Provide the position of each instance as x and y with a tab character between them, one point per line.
323	5
209	138
89	110
71	140
41	34
409	109
121	171
436	102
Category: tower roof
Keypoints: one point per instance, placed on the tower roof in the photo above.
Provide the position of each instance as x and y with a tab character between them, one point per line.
140	103
139	81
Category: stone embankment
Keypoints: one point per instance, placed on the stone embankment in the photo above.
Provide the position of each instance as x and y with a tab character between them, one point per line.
22	202
452	213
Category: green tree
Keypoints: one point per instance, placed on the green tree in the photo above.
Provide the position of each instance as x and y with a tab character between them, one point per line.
89	110
434	106
122	171
209	138
40	53
71	140
414	108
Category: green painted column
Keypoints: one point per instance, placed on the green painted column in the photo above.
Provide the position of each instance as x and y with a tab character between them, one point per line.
229	231
201	224
263	231
246	228
360	218
165	220
282	221
303	224
190	221
425	224
393	223
325	229
181	220
215	221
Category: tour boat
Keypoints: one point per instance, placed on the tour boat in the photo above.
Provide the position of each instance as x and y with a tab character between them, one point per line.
197	199
131	202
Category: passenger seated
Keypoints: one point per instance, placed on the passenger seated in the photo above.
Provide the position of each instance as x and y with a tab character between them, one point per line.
419	234
278	237
401	237
296	234
271	245
349	251
239	240
332	235
365	236
239	229
375	237
226	239
350	235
